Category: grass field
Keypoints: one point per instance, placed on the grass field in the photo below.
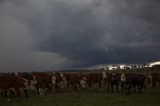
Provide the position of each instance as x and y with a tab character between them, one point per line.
86	98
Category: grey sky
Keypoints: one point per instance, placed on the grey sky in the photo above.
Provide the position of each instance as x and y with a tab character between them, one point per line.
63	34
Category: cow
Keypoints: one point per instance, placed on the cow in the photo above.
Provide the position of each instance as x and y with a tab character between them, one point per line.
133	80
66	78
59	80
43	81
155	78
10	83
75	81
4	92
113	81
27	76
94	78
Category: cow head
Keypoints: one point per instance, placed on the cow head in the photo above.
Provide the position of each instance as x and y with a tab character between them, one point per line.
123	77
83	82
148	78
33	82
62	77
53	79
104	74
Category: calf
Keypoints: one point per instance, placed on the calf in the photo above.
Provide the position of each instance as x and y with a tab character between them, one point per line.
13	82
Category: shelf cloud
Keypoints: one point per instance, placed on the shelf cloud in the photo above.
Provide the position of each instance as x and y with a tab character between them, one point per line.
40	35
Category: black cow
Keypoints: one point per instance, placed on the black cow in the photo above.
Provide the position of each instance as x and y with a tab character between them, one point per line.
133	80
113	81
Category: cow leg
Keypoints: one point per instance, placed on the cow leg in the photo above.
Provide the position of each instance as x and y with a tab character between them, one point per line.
37	90
154	84
53	88
41	91
74	87
134	88
128	89
138	89
12	93
117	88
18	94
112	87
49	89
141	88
90	84
100	85
78	87
108	85
67	84
26	93
2	93
145	88
103	83
122	87
125	89
5	93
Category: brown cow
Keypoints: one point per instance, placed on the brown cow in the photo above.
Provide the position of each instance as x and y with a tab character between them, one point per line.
155	79
93	78
74	81
13	82
77	81
26	75
44	81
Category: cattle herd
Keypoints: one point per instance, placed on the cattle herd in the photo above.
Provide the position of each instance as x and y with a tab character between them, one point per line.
43	83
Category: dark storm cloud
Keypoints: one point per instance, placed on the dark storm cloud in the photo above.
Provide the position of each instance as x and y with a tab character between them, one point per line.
107	32
79	33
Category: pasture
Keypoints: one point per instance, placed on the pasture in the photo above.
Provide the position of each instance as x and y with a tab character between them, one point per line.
90	97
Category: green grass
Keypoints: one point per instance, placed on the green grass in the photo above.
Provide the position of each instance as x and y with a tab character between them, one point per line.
86	98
